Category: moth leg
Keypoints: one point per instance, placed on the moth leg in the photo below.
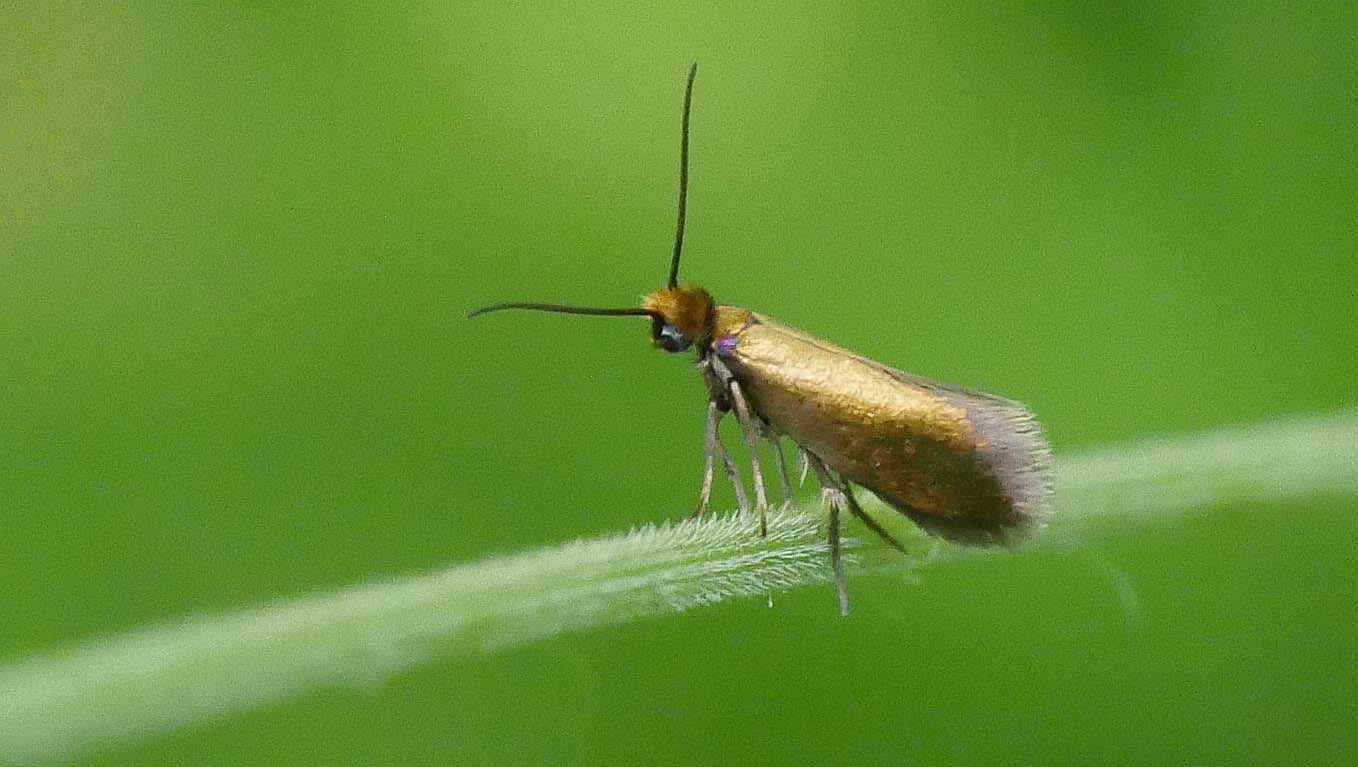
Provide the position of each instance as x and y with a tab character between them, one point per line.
803	465
851	503
836	563
751	431
714	447
871	523
733	474
832	494
784	484
709	458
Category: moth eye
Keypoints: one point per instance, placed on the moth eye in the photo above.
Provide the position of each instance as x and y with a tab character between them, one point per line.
670	339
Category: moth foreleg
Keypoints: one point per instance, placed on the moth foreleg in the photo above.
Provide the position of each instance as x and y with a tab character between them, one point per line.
709	457
733	474
750	429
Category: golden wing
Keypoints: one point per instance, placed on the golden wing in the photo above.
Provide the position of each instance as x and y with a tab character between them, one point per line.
962	464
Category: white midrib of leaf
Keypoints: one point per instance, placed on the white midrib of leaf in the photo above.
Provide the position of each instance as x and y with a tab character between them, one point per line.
148	682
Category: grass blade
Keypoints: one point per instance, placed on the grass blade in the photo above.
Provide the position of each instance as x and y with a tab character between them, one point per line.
138	685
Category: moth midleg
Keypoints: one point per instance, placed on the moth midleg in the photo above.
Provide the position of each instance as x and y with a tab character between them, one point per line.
784	484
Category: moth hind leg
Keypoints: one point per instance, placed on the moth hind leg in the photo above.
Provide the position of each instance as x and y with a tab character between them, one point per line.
803	465
841	487
871	523
837	494
833	493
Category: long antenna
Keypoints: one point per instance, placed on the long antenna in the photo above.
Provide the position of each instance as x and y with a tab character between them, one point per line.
560	309
683	180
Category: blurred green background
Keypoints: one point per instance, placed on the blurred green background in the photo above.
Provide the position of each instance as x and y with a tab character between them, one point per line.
236	247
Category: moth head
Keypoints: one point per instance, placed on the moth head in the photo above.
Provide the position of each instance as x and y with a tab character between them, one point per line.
680	317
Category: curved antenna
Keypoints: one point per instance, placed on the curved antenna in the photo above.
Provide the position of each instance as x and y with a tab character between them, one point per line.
561	309
683	180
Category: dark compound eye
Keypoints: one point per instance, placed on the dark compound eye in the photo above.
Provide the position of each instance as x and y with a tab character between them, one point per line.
668	337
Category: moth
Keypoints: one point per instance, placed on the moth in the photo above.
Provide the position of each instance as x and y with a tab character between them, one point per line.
961	464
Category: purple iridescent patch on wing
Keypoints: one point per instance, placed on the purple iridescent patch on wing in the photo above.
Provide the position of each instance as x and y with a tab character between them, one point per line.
725	345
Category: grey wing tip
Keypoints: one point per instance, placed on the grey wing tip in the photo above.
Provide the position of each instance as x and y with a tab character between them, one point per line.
1018	457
